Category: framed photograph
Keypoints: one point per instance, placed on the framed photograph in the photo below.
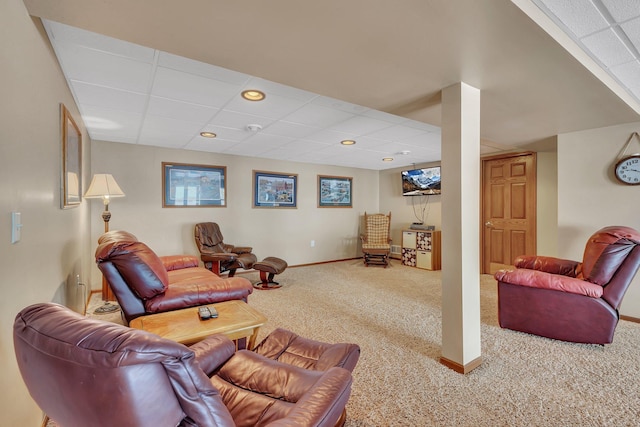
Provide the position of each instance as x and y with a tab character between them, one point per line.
335	191
193	186
71	160
274	190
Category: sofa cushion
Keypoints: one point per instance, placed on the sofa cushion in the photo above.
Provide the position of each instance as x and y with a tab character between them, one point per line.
140	267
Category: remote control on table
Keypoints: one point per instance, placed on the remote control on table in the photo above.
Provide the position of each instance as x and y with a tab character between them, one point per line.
207	313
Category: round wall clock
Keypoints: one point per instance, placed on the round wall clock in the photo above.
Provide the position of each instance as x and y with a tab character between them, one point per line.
627	170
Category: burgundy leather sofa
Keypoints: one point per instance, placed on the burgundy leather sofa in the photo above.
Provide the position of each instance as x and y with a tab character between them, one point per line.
145	283
570	300
87	372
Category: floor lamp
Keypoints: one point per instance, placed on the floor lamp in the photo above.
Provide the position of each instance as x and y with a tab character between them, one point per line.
104	186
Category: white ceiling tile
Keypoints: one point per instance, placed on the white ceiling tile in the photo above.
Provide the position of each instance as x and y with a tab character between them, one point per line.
337	104
190	88
239	121
216	145
273	106
113	137
608	47
180	110
293	130
396	133
628	73
317	115
168	132
580	16
100	68
272	88
622	10
360	125
427	139
64	34
329	136
202	69
632	30
109	98
225	133
108	120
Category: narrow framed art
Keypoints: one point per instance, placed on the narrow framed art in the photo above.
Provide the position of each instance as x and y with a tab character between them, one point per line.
335	191
193	186
274	190
71	161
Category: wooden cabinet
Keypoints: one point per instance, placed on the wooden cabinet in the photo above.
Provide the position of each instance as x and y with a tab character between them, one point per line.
421	248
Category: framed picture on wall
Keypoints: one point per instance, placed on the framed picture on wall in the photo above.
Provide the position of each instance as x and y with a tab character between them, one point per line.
71	160
335	191
193	186
274	190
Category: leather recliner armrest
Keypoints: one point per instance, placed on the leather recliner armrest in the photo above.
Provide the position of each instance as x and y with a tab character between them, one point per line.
242	249
543	280
212	352
178	262
548	264
221	256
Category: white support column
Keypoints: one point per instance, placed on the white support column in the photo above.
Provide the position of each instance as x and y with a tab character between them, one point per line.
461	348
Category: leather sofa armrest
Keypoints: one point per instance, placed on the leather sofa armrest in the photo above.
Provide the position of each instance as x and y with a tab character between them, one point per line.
212	352
328	395
543	280
547	264
178	262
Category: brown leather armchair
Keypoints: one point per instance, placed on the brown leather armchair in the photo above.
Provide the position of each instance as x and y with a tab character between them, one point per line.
219	256
570	300
83	371
145	283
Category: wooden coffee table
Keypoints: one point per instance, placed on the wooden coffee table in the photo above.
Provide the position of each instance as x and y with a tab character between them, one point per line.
236	319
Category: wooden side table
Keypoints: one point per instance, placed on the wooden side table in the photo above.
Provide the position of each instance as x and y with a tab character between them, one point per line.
236	319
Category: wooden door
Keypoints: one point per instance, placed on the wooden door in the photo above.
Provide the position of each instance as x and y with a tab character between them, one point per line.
508	209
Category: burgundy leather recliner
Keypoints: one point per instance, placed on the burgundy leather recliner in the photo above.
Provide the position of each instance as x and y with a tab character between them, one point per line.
87	372
145	283
570	300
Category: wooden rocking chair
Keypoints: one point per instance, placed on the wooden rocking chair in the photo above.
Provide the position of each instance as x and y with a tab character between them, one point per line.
376	242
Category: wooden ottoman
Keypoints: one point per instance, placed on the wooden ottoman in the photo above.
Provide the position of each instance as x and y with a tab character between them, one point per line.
268	268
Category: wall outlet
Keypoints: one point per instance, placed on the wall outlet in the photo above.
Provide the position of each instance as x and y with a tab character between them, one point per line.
313	243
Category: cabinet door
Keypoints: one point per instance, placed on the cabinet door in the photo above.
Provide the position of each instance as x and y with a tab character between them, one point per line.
409	239
424	260
424	241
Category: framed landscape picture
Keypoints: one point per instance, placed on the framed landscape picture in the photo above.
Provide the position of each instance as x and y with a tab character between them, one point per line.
274	190
190	186
335	192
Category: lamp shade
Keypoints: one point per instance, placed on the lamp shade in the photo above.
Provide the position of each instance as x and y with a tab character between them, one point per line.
103	186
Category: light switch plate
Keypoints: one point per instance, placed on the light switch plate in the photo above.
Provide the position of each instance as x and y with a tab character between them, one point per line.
16	226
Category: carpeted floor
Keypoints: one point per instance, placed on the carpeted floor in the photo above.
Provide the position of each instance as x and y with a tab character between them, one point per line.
394	314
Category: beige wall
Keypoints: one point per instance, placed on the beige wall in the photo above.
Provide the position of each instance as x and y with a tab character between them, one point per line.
283	233
589	197
55	242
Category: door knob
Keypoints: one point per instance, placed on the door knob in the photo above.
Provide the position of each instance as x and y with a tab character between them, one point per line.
488	224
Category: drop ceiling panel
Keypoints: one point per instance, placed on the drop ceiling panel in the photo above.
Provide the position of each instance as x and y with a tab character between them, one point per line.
179	110
608	47
109	98
192	88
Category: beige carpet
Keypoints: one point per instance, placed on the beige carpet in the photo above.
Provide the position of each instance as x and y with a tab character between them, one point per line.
394	314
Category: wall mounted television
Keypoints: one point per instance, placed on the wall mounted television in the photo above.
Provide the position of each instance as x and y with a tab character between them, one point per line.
418	182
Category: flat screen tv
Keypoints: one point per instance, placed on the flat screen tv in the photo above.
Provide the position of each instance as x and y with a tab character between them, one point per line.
418	182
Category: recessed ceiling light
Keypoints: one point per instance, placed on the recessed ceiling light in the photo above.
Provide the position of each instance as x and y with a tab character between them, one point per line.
208	134
404	152
348	142
387	159
253	95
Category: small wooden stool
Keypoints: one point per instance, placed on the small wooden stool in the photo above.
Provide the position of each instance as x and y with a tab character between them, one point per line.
268	268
